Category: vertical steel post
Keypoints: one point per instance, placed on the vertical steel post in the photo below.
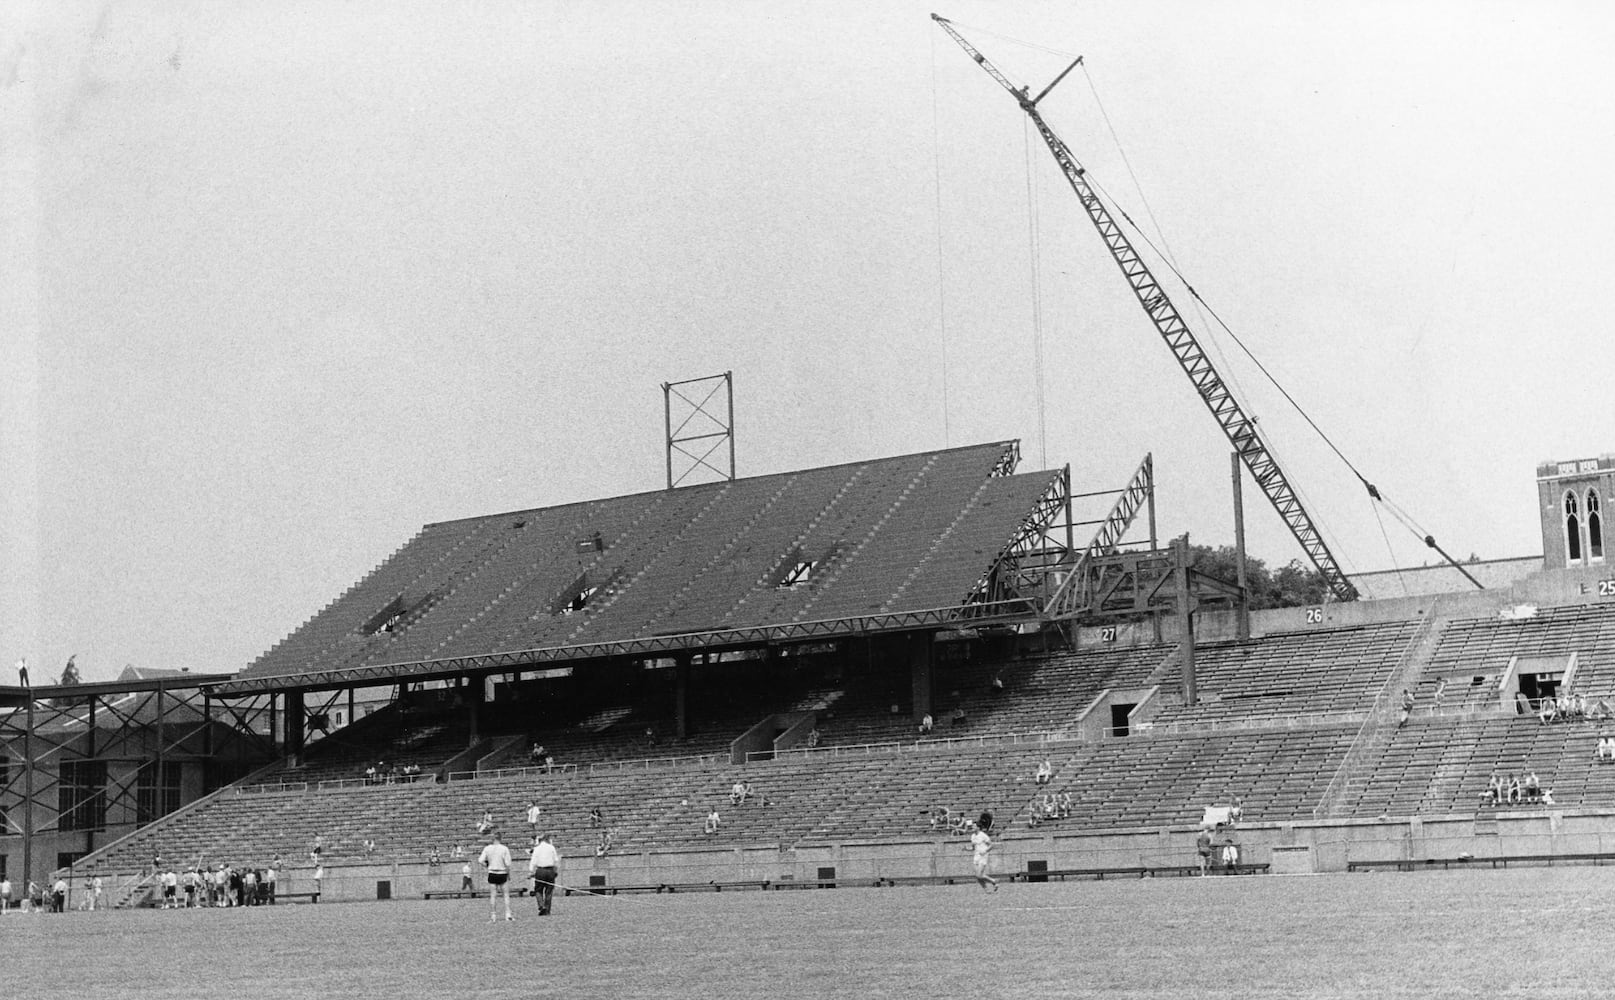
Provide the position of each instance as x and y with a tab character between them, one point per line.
28	797
1070	542
667	422
1149	466
1242	627
1149	469
1186	609
729	380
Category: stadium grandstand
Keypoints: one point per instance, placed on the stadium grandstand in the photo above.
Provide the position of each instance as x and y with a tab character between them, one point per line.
839	663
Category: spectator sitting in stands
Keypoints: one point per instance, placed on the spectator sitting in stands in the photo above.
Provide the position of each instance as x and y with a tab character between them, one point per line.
926	724
486	823
1600	709
1532	786
1489	796
1547	797
713	820
1606	747
536	755
1546	710
457	851
1065	805
1514	792
370	775
433	860
813	737
1044	772
1236	811
737	792
549	763
997	685
959	716
650	735
594	816
1407	707
369	846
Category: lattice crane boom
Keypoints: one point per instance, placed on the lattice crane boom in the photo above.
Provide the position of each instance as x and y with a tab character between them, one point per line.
1214	392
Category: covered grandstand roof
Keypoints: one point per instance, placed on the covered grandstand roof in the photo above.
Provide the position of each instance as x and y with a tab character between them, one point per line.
885	544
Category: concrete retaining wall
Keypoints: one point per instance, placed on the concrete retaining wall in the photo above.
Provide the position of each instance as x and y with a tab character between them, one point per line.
1324	847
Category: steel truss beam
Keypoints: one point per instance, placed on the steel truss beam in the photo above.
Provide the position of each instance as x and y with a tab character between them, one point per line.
712	430
69	725
1072	595
1239	427
1041	542
1132	585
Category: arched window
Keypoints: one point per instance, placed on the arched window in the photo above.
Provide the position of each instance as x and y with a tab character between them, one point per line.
1572	528
1595	528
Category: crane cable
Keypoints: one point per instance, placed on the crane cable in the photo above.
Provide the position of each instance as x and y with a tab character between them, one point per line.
941	277
1402	516
1035	255
1166	248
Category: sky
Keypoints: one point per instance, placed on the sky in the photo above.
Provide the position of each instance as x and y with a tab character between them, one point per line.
285	281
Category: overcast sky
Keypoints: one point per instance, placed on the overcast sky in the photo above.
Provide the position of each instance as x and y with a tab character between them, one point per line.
285	281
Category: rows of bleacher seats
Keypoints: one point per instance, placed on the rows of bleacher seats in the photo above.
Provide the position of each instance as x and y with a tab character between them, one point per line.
805	798
970	542
1440	765
1286	675
1040	694
1474	653
422	743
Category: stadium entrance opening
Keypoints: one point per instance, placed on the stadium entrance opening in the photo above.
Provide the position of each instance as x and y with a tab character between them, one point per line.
1118	718
1539	686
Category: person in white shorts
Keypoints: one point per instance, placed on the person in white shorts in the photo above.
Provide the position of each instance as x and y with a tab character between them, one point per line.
496	858
981	845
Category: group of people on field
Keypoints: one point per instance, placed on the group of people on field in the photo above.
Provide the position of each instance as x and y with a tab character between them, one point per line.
216	885
37	899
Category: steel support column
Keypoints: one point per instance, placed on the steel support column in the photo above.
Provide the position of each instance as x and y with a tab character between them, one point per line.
28	798
1186	614
921	650
681	696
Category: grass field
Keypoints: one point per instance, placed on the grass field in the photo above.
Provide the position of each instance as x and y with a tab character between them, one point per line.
1524	932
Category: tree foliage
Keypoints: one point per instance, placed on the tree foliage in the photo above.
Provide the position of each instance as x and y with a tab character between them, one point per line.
1291	585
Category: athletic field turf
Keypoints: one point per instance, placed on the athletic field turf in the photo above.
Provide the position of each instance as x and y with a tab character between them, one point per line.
1525	932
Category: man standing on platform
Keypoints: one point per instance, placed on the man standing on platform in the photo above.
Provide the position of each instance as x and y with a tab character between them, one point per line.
545	867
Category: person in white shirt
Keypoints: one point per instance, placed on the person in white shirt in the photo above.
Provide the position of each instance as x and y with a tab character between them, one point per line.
5	895
533	813
981	845
545	866
496	858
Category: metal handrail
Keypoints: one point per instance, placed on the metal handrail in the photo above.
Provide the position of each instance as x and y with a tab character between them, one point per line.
513	772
